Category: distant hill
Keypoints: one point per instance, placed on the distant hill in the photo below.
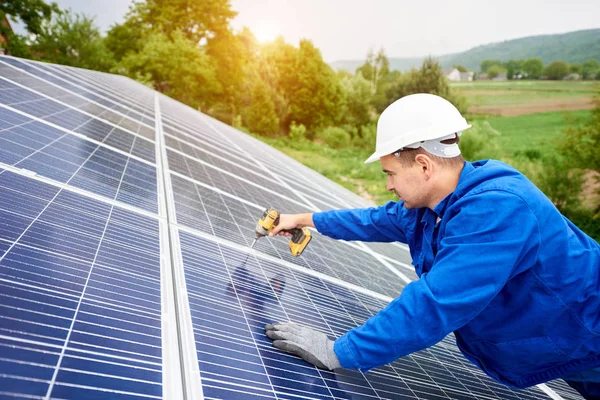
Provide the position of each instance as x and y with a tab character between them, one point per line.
572	47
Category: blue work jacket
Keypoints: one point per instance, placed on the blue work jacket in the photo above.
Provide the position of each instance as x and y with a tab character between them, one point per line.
517	283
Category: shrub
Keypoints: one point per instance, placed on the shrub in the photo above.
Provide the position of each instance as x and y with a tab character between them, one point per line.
297	132
480	142
366	138
334	137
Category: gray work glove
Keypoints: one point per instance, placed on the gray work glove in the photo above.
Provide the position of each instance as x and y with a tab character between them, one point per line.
310	345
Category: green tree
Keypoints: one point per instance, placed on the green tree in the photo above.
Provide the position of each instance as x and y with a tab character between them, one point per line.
311	88
575	68
380	100
231	56
557	70
495	70
198	20
275	65
176	67
260	116
486	64
533	68
590	69
357	108
128	36
72	39
33	14
514	68
375	68
428	79
460	68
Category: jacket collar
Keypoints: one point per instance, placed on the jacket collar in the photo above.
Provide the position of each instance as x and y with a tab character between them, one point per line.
440	208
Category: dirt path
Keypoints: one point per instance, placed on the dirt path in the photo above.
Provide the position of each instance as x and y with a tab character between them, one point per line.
534	107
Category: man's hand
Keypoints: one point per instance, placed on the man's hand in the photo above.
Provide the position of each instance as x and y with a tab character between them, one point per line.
310	345
291	221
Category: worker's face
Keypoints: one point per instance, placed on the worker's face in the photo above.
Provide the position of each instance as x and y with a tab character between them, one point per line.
408	182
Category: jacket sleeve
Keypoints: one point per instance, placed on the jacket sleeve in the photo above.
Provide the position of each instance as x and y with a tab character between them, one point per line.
376	224
484	245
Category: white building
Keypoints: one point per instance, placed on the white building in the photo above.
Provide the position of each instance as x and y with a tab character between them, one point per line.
452	74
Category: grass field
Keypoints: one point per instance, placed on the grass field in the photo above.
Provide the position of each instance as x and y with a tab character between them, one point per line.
533	131
511	98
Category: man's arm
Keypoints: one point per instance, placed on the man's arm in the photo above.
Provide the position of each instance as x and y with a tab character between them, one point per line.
375	224
493	236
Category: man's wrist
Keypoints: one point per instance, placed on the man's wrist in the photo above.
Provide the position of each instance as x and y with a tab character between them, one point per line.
307	220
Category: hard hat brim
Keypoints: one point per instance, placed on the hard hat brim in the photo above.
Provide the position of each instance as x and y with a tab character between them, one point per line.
374	157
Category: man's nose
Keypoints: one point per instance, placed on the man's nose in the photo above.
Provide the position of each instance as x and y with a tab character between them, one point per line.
390	184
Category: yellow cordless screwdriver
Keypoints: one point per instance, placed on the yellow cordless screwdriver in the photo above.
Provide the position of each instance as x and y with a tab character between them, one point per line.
270	219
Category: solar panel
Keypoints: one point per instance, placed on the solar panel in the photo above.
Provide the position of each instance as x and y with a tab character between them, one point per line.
125	271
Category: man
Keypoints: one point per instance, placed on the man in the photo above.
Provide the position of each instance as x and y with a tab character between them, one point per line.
517	283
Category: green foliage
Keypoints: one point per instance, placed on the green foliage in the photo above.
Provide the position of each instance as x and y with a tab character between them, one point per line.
176	67
560	182
486	64
231	56
297	132
590	69
313	92
460	68
260	116
585	220
33	13
575	68
197	20
533	68
366	137
514	68
495	70
557	70
480	142
385	88
127	37
72	39
582	141
375	68
357	98
428	79
334	137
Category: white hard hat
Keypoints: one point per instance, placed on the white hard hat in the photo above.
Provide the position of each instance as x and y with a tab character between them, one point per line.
416	120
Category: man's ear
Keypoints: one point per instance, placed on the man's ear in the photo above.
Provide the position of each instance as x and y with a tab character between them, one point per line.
426	164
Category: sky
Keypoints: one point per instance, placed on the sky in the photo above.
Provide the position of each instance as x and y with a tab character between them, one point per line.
347	29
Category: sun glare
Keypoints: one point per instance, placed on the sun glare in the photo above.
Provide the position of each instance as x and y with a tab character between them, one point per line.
266	31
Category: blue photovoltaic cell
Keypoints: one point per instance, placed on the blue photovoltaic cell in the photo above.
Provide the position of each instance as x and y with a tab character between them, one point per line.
35	70
213	213
80	277
45	88
231	299
47	151
80	295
